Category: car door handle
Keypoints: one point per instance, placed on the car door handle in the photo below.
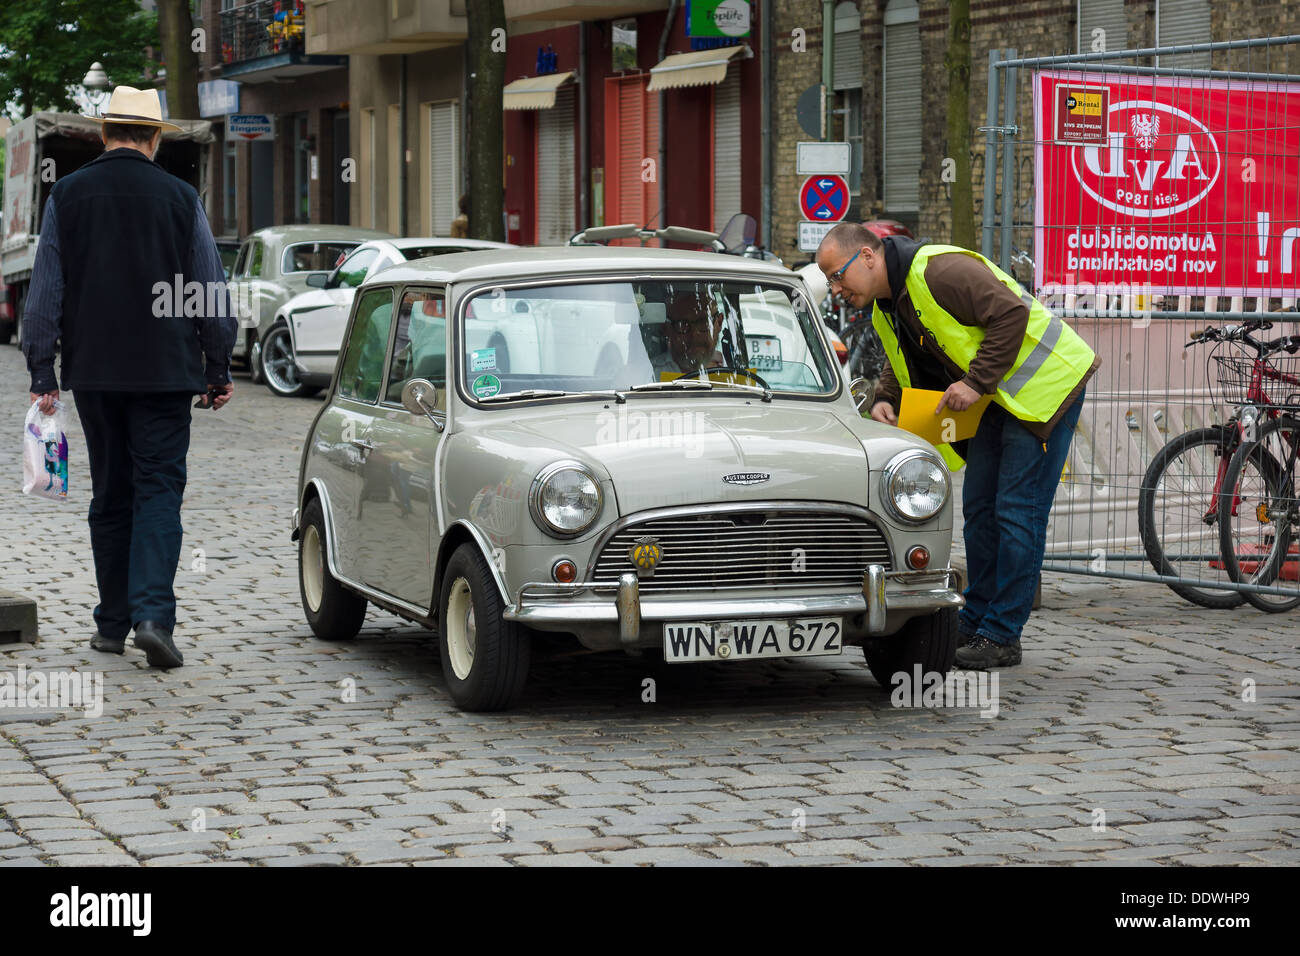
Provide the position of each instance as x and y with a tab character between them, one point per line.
362	443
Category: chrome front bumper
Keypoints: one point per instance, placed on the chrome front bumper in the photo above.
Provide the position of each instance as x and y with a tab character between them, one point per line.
885	601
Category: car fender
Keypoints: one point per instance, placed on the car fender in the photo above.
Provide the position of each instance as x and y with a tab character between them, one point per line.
485	548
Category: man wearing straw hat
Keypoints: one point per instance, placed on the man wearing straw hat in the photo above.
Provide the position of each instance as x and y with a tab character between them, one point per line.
111	232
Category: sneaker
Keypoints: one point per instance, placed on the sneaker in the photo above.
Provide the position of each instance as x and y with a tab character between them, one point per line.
965	637
106	644
982	654
157	645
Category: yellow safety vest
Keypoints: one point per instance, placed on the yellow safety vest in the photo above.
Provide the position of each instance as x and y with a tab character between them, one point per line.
1053	359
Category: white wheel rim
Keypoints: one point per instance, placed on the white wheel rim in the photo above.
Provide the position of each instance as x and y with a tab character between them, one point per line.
313	568
461	629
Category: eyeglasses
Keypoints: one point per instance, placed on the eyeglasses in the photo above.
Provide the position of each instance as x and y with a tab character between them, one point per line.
838	275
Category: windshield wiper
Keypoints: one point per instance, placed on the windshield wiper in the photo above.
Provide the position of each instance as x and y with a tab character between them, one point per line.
678	383
526	393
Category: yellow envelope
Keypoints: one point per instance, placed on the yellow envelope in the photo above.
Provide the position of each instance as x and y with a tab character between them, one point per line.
916	415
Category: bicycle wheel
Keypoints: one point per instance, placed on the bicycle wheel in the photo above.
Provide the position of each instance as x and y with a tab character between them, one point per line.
866	353
1258	503
1178	515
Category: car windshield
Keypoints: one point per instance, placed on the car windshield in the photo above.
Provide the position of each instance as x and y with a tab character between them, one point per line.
688	334
423	252
315	256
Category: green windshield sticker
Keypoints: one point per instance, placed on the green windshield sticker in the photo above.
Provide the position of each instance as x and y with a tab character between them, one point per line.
483	360
485	386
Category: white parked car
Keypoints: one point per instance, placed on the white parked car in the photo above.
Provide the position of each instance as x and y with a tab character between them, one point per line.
303	343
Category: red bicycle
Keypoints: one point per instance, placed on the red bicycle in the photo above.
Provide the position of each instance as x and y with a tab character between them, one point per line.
1188	523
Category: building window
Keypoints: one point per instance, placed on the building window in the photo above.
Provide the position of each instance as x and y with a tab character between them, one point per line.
623	40
1180	22
901	139
1103	26
444	159
847	85
555	171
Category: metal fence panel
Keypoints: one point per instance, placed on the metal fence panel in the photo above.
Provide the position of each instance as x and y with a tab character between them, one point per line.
1153	386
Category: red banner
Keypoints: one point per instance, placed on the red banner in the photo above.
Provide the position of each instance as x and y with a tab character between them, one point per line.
1166	184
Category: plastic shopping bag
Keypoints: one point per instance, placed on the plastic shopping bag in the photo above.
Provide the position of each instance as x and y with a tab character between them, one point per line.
45	454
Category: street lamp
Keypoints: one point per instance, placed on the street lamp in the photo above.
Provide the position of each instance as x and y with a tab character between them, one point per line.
96	86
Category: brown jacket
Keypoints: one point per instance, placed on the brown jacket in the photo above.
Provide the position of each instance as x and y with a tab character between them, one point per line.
969	291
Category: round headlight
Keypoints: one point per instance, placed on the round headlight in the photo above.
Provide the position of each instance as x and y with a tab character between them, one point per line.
565	499
915	486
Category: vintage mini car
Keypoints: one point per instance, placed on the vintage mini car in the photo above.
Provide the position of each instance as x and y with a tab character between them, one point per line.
713	495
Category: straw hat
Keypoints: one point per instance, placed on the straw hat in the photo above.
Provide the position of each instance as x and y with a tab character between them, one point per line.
134	107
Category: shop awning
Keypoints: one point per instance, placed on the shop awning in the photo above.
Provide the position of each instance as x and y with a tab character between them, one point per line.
534	92
697	68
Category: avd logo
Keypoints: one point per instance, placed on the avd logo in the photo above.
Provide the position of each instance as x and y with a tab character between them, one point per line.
1158	160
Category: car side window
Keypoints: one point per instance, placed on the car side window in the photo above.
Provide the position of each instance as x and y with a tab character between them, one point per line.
255	259
354	268
242	260
362	368
420	344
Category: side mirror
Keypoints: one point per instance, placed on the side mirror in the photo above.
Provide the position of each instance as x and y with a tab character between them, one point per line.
317	279
420	397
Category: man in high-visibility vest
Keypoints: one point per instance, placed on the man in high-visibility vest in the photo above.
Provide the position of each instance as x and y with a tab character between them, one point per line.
952	321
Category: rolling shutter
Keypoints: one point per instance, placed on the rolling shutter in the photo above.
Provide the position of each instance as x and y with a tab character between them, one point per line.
847	49
726	150
1107	15
902	134
1179	22
444	159
555	171
631	136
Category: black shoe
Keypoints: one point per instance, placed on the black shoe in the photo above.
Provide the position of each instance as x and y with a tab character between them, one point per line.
106	644
982	654
965	637
157	645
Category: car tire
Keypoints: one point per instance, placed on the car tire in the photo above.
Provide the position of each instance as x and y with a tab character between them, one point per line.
256	374
334	612
277	365
930	641
484	657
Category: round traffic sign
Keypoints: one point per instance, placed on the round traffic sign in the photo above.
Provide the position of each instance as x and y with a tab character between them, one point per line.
824	198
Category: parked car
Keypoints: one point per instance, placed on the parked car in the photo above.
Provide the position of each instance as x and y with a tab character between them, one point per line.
228	248
719	514
303	342
272	267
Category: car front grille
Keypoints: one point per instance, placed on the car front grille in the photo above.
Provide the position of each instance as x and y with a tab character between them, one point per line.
778	549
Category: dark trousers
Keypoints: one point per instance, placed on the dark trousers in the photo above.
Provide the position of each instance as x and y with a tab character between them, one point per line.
136	444
1011	479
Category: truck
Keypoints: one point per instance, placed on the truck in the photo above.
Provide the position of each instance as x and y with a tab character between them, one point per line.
45	146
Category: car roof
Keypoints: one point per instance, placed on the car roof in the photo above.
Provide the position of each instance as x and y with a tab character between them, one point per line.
572	261
415	242
284	235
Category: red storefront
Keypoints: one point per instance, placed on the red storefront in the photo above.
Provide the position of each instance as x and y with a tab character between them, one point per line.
713	155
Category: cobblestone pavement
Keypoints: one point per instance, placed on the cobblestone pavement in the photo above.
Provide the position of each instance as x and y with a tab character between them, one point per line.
1124	737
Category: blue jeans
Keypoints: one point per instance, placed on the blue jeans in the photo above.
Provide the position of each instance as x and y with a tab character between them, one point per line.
1011	479
136	444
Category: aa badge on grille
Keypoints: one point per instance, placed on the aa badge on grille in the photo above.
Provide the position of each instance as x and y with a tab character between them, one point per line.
644	554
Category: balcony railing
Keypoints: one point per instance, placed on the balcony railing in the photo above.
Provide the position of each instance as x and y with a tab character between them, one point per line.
262	28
